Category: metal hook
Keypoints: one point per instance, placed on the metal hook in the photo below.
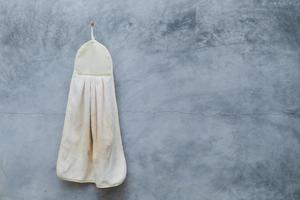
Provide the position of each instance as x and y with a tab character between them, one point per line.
92	23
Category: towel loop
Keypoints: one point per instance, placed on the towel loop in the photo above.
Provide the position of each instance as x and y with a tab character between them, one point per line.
92	25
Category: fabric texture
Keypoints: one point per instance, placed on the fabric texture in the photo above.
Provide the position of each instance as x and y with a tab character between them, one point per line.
91	147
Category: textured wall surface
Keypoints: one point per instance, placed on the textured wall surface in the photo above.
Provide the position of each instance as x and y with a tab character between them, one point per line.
208	94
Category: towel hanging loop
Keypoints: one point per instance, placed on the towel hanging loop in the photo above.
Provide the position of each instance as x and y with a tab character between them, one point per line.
92	25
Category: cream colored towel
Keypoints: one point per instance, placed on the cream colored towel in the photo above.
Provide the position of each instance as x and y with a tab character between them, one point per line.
91	146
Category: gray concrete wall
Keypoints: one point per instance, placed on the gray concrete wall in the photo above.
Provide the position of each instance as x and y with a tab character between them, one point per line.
208	94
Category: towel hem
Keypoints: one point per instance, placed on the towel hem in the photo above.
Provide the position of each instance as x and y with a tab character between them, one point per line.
90	181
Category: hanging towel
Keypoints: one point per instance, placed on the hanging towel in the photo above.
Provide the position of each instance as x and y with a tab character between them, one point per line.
91	149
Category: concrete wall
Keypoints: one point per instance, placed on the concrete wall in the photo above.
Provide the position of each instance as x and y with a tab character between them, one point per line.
208	94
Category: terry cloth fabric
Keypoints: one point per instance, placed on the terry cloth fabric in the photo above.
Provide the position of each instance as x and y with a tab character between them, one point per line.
91	149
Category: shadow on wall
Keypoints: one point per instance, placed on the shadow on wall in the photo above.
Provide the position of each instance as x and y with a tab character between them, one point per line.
114	193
